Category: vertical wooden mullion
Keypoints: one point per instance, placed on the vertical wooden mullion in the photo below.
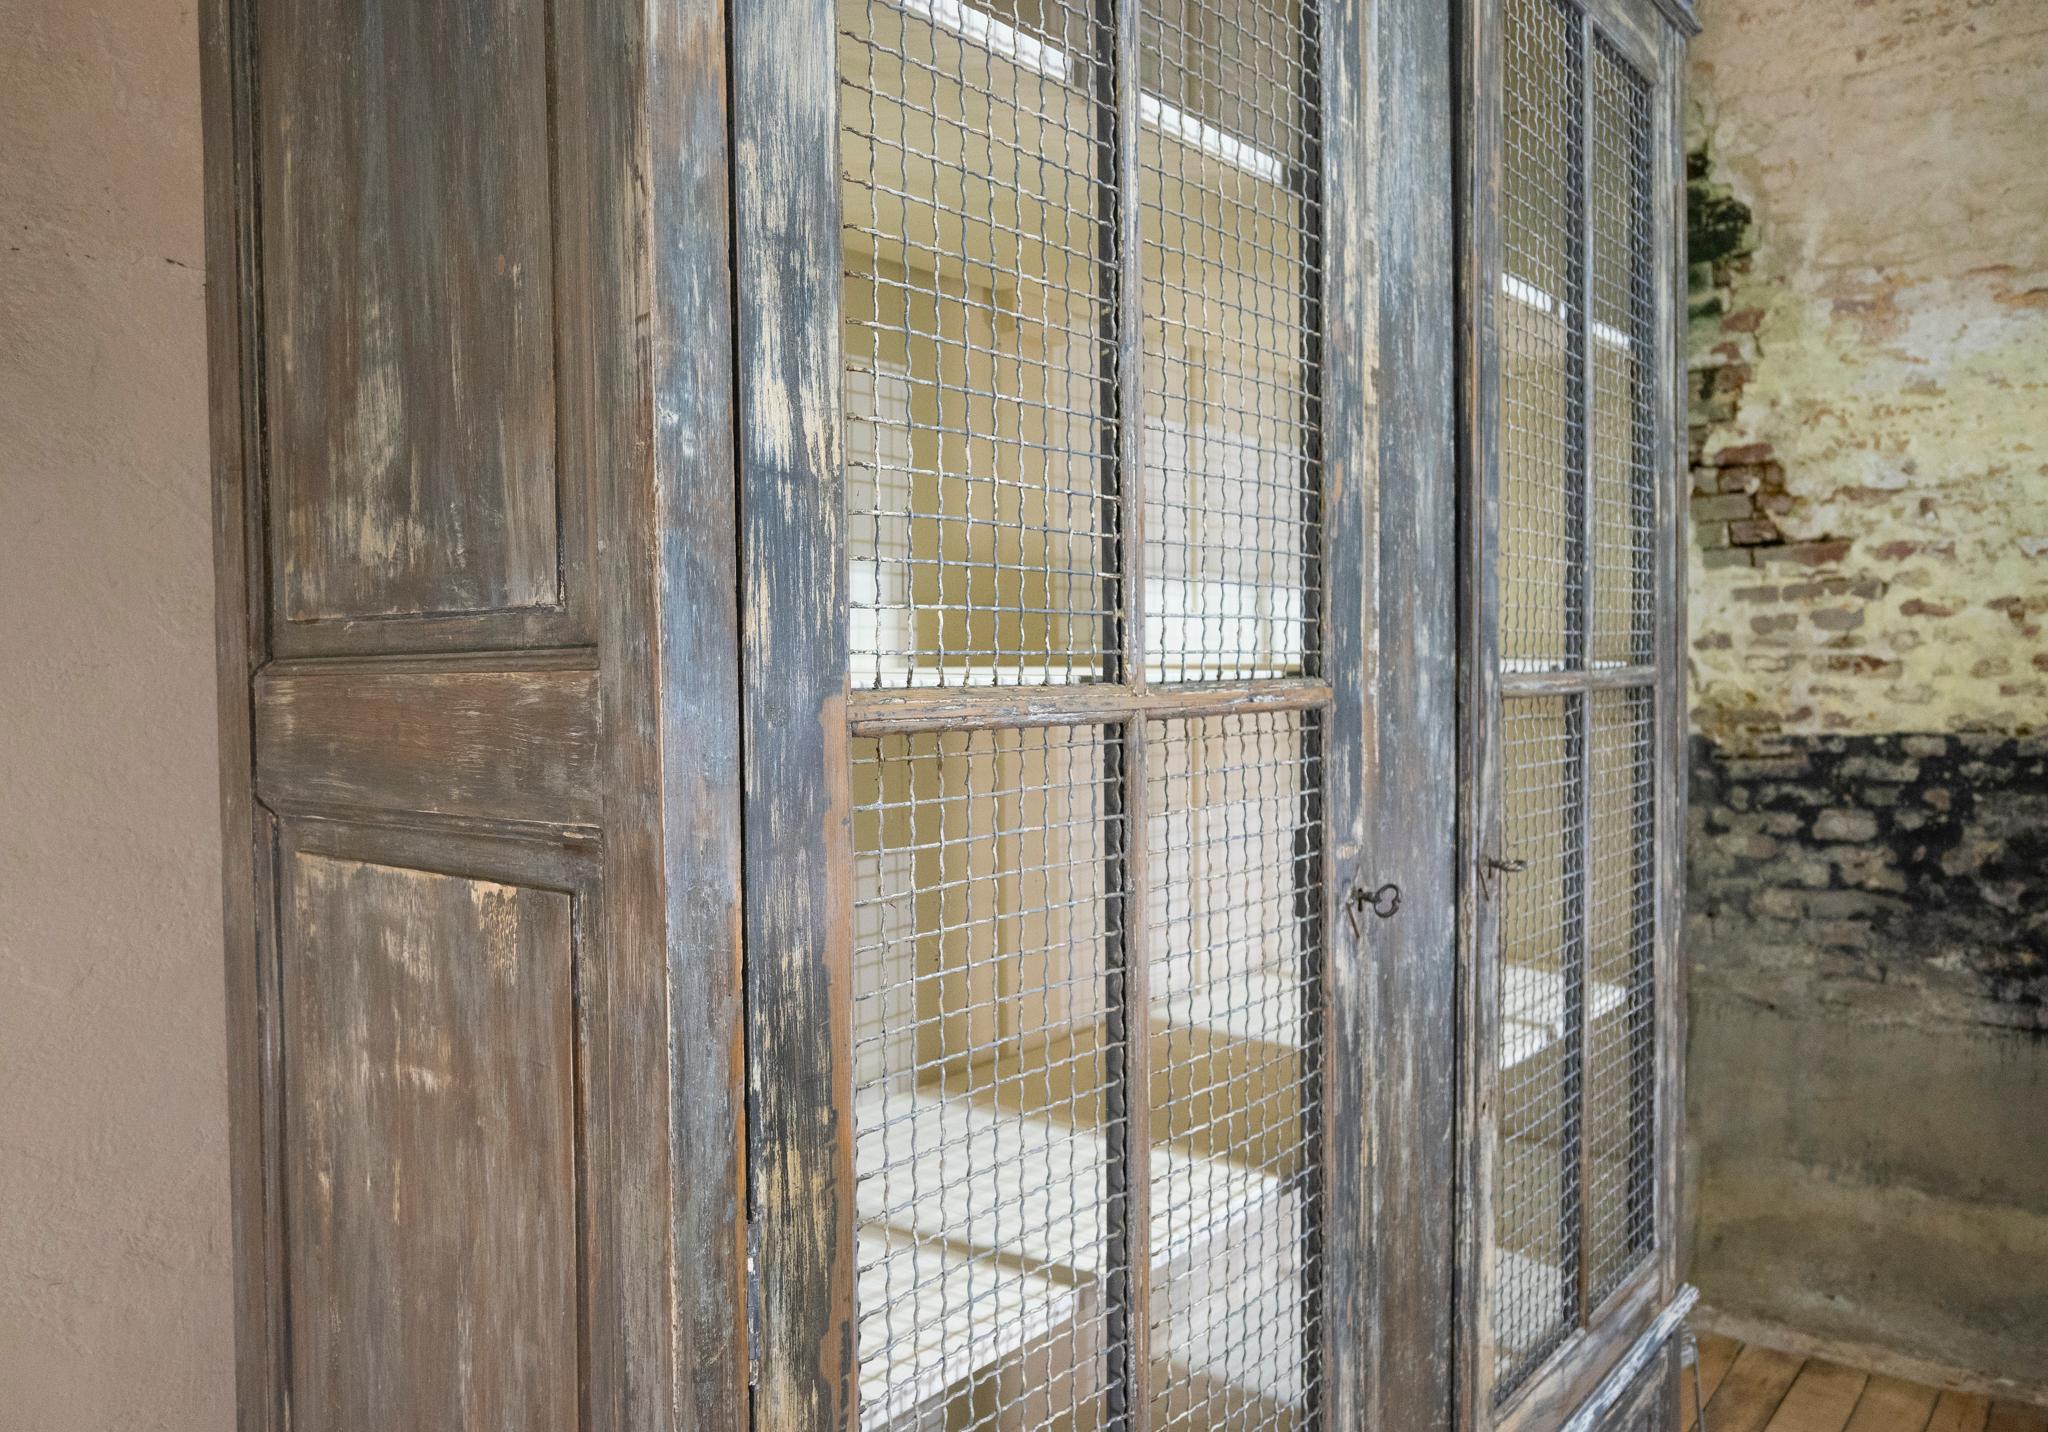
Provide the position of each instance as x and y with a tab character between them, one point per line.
1129	1116
1339	1023
1579	409
798	853
1669	600
1480	153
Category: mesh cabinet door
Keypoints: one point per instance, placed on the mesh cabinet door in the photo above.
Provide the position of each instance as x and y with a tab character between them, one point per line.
1573	615
1054	711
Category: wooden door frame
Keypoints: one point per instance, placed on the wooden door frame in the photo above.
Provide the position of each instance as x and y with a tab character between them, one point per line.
1387	365
1632	1320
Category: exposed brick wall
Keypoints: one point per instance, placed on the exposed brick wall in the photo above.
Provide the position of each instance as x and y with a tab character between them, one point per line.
1868	848
1903	873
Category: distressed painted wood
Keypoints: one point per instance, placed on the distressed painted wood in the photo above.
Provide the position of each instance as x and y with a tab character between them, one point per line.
430	1026
1645	36
1411	700
798	855
676	678
475	535
464	737
874	713
1348	307
410	305
489	536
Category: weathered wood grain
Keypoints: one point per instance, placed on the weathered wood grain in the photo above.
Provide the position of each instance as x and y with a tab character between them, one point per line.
1890	1404
1960	1412
798	858
477	738
685	705
1752	1391
1348	307
2016	1417
234	409
1822	1398
431	1167
875	713
1410	702
1716	1354
1644	36
438	393
409	305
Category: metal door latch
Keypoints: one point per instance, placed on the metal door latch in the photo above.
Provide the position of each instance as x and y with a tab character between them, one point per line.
1383	902
1494	866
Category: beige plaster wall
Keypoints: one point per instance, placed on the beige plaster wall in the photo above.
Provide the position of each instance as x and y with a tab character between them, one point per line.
114	1253
1872	494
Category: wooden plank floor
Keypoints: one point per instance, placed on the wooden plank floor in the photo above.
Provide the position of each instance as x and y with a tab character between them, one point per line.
1758	1389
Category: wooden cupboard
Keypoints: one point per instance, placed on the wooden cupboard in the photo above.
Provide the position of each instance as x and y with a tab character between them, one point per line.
950	715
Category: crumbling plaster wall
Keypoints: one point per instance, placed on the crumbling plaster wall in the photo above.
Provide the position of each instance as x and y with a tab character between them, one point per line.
1869	844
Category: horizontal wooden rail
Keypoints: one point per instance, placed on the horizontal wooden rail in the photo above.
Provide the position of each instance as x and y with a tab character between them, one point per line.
878	713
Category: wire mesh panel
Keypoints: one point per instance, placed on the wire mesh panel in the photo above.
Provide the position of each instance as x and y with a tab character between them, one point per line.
978	291
1235	981
1087	991
1232	407
1542	392
1621	1036
1573	1180
984	1113
1622	378
1542	989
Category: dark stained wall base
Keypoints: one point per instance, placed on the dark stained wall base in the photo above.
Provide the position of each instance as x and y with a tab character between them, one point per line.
1868	931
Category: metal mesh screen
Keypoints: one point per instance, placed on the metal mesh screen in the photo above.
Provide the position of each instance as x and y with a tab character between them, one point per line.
1232	414
984	1110
1087	972
1623	446
978	300
1536	1193
1542	392
1621	1031
1236	958
1574	1175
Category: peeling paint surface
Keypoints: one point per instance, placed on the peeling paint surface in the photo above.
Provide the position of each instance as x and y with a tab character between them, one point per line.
1870	368
1867	918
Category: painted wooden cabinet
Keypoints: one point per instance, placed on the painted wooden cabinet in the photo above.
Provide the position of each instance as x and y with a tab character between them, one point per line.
950	714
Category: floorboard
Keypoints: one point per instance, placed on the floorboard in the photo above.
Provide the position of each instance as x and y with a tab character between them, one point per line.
1716	1353
1959	1412
1753	1390
1891	1404
1822	1398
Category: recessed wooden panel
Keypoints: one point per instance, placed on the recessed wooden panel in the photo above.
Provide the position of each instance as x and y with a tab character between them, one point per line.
488	738
429	1113
408	306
